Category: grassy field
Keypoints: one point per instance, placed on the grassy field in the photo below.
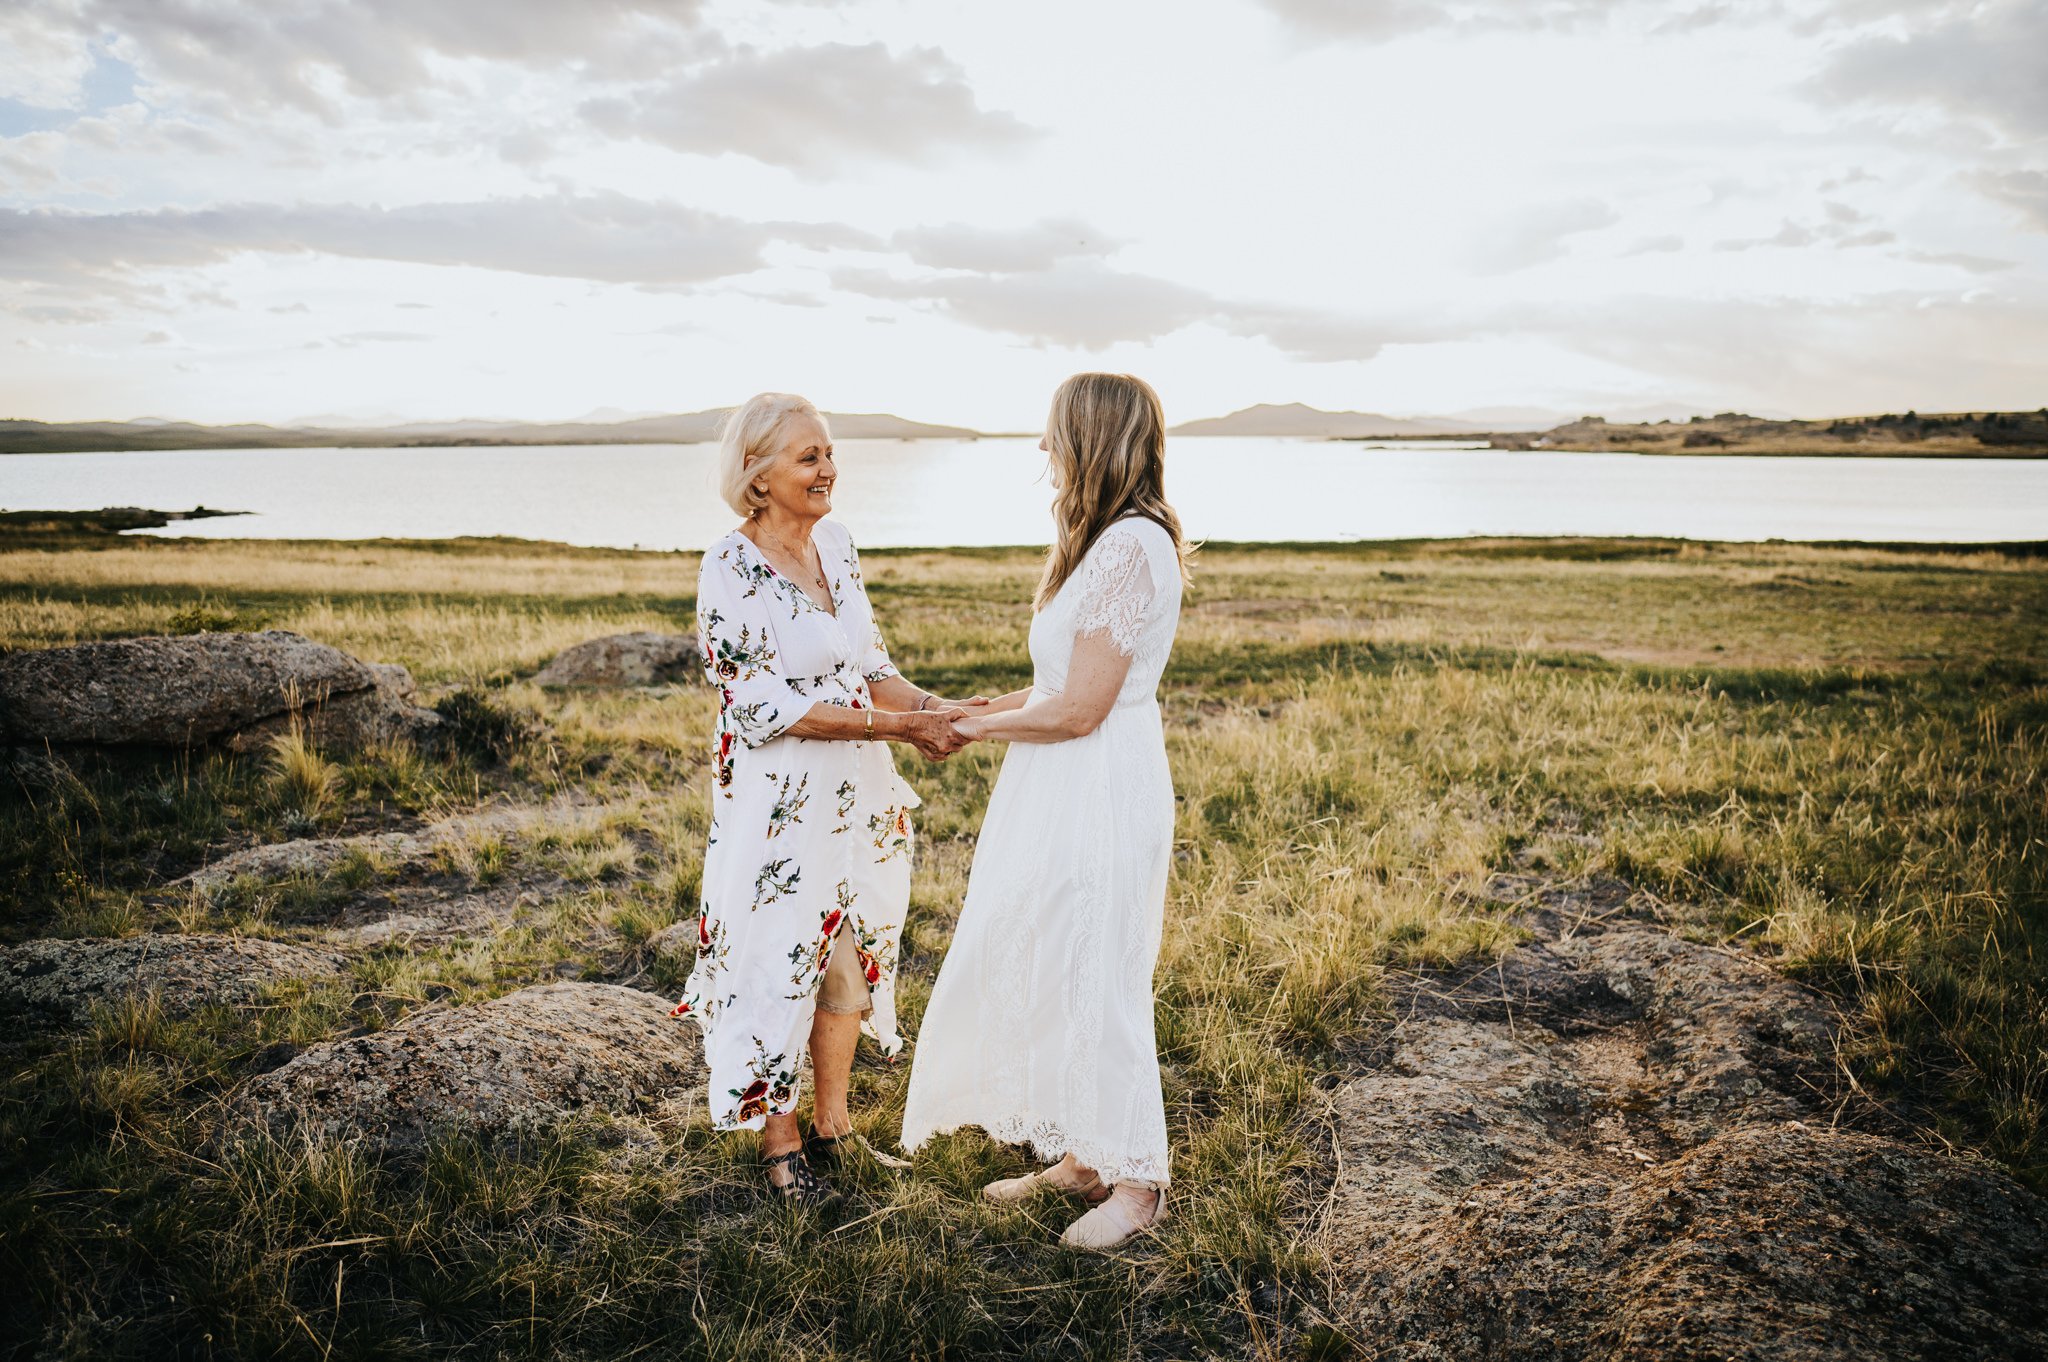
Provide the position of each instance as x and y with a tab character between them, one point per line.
1831	755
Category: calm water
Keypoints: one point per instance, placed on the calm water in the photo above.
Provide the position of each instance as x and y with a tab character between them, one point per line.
942	492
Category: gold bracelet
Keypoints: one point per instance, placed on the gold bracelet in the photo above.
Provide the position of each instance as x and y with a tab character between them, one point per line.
921	699
871	727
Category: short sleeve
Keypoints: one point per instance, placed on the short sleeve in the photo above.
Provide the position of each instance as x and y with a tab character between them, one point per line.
874	663
1116	590
738	640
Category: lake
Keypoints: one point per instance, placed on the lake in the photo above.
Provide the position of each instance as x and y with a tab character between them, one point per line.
993	491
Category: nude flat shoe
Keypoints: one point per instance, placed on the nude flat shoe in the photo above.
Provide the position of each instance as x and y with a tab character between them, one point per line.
1110	1224
1020	1189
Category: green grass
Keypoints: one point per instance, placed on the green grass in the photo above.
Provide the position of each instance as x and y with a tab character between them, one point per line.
1832	755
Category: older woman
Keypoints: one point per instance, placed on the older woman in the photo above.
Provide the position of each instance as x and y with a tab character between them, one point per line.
807	871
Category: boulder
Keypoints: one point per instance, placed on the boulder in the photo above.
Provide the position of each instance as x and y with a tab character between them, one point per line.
677	941
1616	1143
318	855
60	980
201	688
637	659
510	1066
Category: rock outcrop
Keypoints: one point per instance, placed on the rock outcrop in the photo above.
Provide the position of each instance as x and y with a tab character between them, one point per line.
510	1066
60	980
201	688
1615	1143
319	855
423	885
637	659
677	941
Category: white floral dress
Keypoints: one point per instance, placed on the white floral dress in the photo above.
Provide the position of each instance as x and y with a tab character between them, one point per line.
806	833
1039	1028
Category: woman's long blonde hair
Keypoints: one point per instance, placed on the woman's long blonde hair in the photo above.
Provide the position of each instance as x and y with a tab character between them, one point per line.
1106	438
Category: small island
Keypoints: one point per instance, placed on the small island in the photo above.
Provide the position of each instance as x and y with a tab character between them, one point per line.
1952	435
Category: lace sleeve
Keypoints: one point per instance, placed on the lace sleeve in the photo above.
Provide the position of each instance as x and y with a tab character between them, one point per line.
1116	590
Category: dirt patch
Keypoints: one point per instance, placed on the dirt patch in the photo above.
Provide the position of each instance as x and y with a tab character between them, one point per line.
1617	1143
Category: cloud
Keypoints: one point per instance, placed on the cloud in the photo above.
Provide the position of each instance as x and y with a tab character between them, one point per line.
42	61
957	246
1381	20
1084	305
1536	234
1656	245
1384	20
1981	62
814	108
355	338
1838	228
603	237
2026	190
1866	354
1314	335
33	160
303	53
63	314
1077	303
1962	260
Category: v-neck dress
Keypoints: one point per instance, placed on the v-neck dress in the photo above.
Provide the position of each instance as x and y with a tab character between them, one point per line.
807	834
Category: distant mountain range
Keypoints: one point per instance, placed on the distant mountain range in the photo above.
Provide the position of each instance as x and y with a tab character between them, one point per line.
1295	419
42	437
2005	435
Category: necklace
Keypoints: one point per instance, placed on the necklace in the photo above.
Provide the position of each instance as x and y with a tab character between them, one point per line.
817	574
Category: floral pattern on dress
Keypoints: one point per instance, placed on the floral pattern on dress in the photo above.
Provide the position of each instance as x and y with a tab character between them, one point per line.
771	1086
783	857
890	832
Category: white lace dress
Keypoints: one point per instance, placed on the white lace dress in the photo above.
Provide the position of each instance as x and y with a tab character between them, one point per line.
1039	1028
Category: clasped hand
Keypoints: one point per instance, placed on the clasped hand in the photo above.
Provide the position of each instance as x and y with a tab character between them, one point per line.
936	732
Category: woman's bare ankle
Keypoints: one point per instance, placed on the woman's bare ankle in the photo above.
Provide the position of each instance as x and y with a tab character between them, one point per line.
779	1135
1070	1172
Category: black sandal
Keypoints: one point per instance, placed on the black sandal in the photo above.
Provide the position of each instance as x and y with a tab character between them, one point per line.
831	1151
825	1150
804	1187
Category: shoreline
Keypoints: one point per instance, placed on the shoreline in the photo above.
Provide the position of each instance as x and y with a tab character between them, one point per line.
20	530
1482	441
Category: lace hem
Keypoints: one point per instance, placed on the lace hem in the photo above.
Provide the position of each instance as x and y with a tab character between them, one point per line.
1050	1144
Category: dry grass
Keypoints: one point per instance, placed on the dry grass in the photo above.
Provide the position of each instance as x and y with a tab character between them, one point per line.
1833	755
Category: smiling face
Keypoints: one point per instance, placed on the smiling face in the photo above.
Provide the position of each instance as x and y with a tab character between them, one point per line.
799	482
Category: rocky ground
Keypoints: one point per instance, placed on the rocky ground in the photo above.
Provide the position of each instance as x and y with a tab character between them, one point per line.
466	875
52	981
508	1066
1615	1143
1611	1142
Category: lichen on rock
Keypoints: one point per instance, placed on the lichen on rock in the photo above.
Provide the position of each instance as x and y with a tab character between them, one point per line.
59	980
1614	1142
507	1067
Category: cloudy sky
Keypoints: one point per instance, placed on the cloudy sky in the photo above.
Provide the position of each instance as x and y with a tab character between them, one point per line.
276	209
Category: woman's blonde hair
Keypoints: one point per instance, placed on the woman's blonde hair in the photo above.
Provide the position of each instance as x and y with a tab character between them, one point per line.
749	443
1106	438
